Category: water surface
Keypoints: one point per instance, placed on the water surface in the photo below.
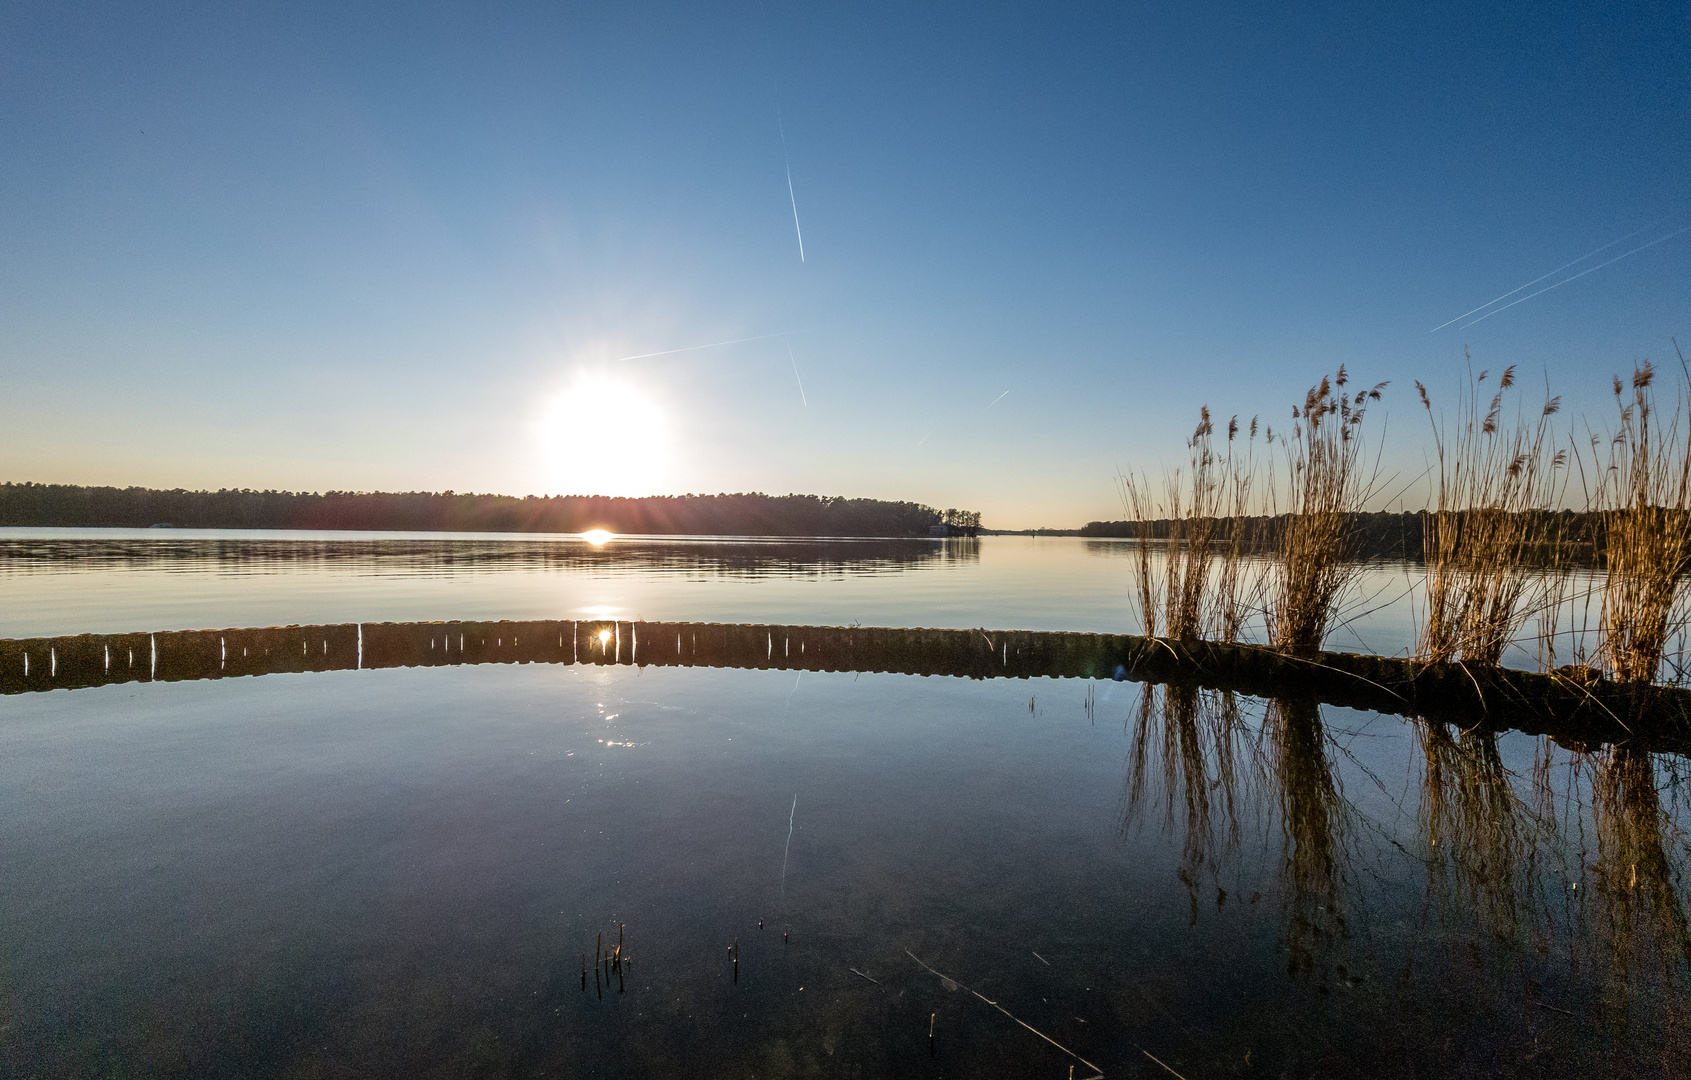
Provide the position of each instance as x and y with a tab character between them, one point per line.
399	872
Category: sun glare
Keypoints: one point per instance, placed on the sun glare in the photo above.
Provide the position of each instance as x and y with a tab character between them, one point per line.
605	437
597	537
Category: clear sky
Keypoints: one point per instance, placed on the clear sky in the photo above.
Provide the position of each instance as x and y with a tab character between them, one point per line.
374	246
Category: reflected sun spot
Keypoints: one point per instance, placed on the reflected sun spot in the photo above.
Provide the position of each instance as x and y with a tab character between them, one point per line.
597	537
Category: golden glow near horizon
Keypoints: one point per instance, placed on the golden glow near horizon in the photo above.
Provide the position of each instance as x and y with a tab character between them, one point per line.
598	537
605	436
604	638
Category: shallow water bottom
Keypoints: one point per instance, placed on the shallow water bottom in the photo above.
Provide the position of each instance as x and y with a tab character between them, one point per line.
405	872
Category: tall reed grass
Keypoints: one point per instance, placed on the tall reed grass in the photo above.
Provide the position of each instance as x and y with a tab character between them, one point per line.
1327	482
1496	550
1197	588
1643	494
1495	474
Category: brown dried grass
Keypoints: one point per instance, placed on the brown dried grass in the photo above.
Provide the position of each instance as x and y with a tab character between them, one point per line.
1205	508
1326	487
1643	493
1493	475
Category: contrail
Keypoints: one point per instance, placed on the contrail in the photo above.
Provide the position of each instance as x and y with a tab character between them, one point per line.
800	382
1582	273
784	854
782	128
1552	273
995	401
695	348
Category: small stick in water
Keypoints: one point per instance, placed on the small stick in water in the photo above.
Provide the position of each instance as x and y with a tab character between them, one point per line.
931	1018
784	937
735	950
760	924
584	973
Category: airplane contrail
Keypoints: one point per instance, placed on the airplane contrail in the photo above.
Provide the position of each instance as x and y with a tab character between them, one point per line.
782	128
997	399
1552	273
695	348
800	382
1582	273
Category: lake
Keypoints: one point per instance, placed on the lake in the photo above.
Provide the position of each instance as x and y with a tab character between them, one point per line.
422	871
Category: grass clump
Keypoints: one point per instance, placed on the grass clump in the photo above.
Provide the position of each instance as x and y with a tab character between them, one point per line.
1494	477
1200	521
1326	486
1643	495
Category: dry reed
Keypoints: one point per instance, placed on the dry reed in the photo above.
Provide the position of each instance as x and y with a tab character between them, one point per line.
1325	490
1203	511
1643	496
1494	477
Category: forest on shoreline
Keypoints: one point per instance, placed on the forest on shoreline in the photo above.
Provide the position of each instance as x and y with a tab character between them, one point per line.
741	514
1372	535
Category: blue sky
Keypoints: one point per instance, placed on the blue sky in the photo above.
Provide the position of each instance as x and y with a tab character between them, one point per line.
403	246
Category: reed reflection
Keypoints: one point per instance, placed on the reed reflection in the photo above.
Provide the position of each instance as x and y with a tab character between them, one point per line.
1312	816
1640	925
1551	887
1225	763
1199	742
1480	839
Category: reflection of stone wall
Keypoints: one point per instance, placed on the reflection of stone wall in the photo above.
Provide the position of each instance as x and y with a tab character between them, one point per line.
1584	714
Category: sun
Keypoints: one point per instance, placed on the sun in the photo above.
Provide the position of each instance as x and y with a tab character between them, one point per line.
603	436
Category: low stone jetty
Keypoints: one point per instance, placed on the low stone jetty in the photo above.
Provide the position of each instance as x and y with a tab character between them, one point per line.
1575	705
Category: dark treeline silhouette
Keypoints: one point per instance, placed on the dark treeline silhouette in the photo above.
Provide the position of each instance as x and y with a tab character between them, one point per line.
754	514
1377	535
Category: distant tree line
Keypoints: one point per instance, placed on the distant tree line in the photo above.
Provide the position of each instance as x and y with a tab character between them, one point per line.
961	522
749	514
1377	535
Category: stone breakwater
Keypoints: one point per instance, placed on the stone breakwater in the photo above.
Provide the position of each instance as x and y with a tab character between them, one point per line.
1574	705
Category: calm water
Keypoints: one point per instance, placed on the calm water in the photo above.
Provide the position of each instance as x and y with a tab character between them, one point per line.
399	872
